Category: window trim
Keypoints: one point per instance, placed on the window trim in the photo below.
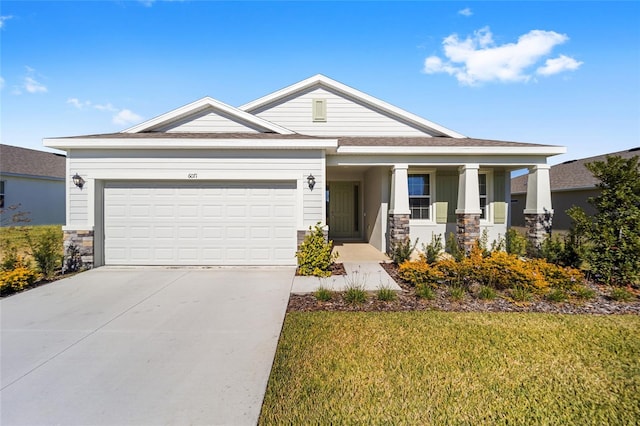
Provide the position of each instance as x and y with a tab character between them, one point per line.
432	194
489	195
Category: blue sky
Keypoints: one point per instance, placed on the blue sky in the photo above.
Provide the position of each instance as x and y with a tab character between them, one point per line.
561	73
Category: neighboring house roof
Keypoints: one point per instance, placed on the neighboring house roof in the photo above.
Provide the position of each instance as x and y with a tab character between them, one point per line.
30	162
571	174
320	80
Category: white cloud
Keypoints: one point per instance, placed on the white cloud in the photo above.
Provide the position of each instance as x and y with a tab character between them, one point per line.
465	12
146	3
1	83
558	65
477	59
121	116
125	117
4	18
106	107
31	85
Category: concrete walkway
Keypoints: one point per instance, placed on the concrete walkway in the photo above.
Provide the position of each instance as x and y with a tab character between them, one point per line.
142	346
366	274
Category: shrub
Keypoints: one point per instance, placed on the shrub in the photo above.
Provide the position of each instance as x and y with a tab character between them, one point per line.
16	280
487	293
557	276
323	294
502	270
561	251
453	248
433	249
520	294
420	272
613	233
584	293
621	294
355	294
515	243
557	295
385	294
425	292
73	260
46	250
314	254
401	250
457	292
11	260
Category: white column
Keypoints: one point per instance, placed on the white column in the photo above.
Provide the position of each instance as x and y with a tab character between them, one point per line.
468	190
538	190
399	203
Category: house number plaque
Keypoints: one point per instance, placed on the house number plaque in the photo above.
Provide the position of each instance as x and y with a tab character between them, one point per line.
192	176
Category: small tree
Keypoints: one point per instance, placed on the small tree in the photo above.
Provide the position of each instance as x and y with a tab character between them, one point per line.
314	254
613	233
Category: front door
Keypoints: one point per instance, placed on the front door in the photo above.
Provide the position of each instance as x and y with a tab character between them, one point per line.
343	210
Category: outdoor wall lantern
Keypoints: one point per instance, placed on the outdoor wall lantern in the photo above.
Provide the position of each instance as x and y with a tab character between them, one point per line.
311	181
78	181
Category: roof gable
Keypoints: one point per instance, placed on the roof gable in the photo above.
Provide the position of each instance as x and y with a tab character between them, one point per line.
210	116
321	82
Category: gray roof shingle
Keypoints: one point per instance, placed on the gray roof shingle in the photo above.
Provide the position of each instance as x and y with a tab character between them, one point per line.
571	174
24	161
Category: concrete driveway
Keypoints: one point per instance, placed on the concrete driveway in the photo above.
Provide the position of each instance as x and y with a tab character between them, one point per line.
142	346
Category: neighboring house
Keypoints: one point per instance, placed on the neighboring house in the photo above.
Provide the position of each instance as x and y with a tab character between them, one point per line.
572	184
211	184
34	180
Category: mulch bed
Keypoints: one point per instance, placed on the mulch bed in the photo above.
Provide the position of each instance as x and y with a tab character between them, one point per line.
407	300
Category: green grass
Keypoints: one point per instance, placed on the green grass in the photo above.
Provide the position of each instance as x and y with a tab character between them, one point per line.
455	368
15	237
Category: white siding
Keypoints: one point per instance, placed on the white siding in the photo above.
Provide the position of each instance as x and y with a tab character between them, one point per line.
345	117
177	165
42	198
208	121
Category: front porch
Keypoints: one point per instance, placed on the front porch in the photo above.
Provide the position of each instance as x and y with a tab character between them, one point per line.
385	204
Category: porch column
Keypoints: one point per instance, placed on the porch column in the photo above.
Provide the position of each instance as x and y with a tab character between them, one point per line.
398	223
468	211
538	213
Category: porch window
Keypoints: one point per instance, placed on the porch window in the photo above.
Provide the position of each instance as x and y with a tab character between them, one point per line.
482	182
419	196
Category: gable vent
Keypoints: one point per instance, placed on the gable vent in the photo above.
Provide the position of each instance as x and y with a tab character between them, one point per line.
319	110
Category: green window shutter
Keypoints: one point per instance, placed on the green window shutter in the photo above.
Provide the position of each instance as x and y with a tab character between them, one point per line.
441	211
499	205
499	212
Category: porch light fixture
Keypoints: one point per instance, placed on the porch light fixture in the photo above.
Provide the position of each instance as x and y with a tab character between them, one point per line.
311	181
78	181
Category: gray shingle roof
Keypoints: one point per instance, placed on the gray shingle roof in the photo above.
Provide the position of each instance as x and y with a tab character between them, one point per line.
571	174
342	141
31	162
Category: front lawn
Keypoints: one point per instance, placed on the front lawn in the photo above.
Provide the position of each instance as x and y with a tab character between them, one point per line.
455	368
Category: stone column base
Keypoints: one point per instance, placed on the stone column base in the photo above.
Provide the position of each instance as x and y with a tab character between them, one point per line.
467	230
538	227
397	230
78	250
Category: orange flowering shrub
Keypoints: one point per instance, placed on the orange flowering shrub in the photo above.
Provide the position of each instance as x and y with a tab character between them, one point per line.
419	272
565	278
16	279
502	270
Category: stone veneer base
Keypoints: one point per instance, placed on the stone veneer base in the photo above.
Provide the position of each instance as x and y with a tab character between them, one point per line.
397	230
538	227
83	240
467	230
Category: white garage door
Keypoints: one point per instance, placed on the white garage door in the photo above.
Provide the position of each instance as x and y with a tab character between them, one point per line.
226	223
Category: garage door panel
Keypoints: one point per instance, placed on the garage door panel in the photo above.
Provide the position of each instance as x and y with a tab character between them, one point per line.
215	223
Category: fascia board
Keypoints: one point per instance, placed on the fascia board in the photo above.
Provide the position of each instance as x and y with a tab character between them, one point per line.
201	104
448	150
354	93
164	143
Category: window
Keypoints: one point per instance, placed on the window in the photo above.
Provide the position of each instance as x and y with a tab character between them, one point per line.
419	196
1	194
482	182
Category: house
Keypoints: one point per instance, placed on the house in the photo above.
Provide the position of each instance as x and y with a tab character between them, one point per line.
572	184
212	184
33	182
